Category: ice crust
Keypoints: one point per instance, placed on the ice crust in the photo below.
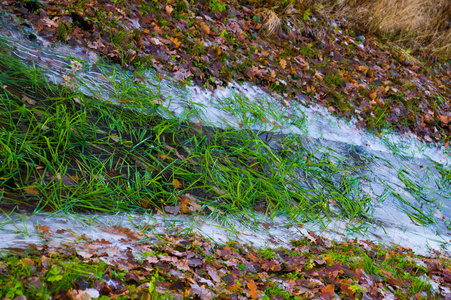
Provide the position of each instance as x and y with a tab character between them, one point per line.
318	128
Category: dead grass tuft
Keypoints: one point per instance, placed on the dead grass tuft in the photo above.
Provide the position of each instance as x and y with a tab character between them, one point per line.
271	20
421	25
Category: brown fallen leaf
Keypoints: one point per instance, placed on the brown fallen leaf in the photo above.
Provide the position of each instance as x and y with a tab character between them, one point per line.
444	119
177	184
181	157
201	291
253	291
205	28
213	274
283	63
328	291
31	191
44	230
77	295
175	210
344	287
28	100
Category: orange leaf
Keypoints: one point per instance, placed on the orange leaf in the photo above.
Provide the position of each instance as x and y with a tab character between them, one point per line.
184	201
168	9
163	156
175	41
283	63
145	202
253	292
327	291
273	74
373	95
344	287
74	178
176	183
444	119
31	191
205	28
218	51
362	68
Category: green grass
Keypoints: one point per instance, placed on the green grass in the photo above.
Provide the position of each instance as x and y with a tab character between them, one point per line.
66	152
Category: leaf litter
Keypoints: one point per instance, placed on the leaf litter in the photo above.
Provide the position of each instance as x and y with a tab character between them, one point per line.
346	280
188	266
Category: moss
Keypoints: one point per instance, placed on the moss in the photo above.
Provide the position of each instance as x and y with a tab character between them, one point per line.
64	31
333	80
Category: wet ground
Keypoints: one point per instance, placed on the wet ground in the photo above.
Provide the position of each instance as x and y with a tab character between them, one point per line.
410	203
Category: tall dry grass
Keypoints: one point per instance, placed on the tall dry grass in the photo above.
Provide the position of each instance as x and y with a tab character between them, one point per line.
422	26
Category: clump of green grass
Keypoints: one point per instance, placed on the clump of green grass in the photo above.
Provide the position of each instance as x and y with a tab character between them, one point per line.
64	151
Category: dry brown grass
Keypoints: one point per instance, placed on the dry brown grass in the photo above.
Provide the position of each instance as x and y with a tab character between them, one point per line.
271	20
421	25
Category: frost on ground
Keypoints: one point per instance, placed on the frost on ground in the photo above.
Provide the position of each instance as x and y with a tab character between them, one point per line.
400	174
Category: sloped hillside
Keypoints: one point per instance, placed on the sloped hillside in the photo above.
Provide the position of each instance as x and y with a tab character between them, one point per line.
301	50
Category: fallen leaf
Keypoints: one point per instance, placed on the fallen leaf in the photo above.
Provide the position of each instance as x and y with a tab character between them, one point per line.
253	291
28	100
213	274
145	202
205	28
444	119
344	287
156	41
44	230
201	291
115	138
77	295
31	191
176	184
373	95
283	63
176	42
327	291
172	209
